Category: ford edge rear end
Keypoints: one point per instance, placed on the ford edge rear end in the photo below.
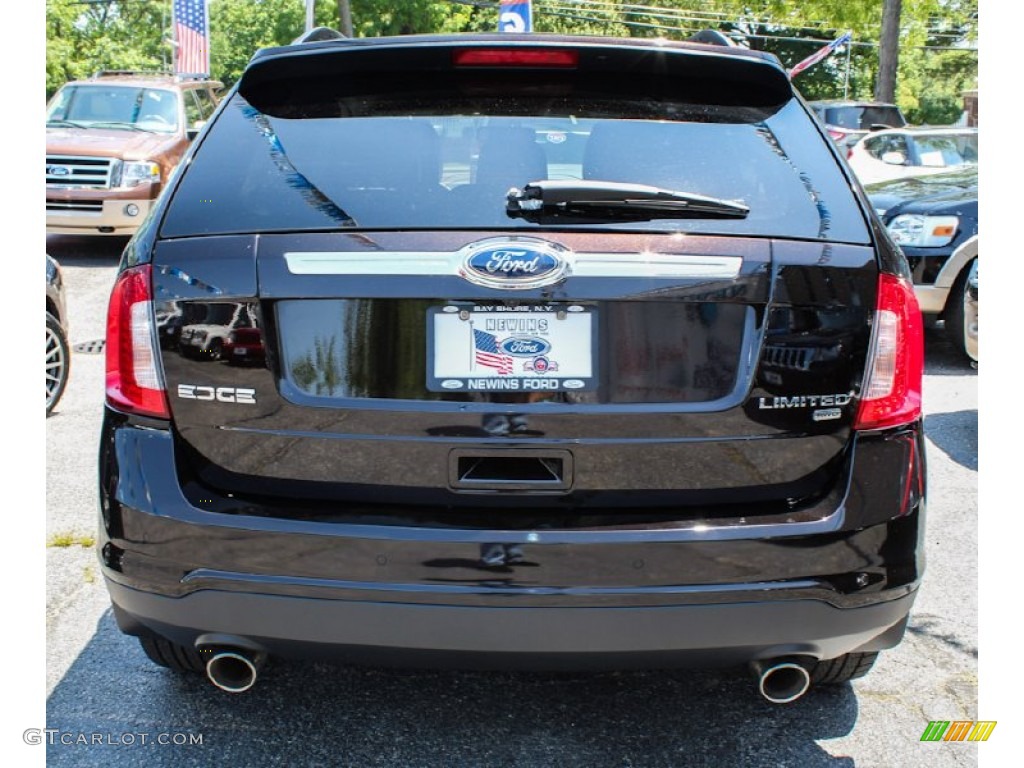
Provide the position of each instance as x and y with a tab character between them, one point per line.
571	353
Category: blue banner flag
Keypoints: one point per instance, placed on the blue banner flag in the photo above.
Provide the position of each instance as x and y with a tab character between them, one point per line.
515	16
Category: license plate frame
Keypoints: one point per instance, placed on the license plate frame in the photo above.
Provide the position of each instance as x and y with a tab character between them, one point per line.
526	348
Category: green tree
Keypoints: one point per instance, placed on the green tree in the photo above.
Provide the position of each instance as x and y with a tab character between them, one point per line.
372	18
931	84
939	24
62	44
238	28
84	37
936	23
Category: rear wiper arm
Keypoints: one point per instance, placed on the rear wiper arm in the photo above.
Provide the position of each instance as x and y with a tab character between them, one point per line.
602	200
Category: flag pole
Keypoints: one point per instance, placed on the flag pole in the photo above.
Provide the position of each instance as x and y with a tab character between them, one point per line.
163	37
206	46
846	80
175	45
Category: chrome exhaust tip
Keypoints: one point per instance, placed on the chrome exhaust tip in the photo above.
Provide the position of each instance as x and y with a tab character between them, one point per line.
234	671
782	681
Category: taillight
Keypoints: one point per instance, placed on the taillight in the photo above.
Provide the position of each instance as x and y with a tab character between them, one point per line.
836	135
134	381
515	57
891	394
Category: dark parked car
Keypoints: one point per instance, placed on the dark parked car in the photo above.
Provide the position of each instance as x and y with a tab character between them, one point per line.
847	122
935	221
664	409
58	353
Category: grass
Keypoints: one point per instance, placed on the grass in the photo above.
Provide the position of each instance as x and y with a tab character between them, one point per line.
68	539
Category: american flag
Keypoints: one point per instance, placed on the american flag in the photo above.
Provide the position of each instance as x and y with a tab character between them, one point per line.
818	55
485	346
191	35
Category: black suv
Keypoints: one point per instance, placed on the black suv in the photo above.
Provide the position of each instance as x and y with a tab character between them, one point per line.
652	401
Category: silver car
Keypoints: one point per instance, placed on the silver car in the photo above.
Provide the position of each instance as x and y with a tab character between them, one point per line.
58	353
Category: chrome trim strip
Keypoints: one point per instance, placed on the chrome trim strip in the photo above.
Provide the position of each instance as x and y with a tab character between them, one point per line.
670	265
372	263
440	263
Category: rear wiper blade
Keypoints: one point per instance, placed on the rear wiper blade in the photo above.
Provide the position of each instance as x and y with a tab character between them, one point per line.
602	200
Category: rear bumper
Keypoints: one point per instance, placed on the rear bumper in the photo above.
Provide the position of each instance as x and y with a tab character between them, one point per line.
838	578
508	637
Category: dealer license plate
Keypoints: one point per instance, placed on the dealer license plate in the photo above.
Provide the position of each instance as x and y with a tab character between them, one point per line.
531	348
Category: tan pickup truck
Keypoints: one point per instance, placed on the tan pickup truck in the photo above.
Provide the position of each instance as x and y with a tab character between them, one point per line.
111	143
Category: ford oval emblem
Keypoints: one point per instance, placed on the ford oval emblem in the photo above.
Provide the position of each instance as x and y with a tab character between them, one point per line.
514	263
58	170
524	346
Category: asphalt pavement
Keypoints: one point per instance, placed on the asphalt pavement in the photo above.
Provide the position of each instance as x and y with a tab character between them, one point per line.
108	705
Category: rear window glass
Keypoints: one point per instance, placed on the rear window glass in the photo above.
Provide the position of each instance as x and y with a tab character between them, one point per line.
435	160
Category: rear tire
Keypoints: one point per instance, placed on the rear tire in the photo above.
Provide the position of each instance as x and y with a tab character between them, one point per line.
957	319
58	362
847	667
179	658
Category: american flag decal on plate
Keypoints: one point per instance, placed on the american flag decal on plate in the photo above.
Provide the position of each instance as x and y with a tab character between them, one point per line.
486	353
498	348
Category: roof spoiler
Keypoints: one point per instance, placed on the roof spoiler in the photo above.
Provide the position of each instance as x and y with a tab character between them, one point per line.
319	34
291	80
